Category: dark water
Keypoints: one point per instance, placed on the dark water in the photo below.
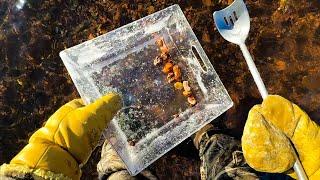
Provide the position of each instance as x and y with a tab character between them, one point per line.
34	83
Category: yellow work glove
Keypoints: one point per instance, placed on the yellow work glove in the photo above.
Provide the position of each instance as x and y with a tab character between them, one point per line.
57	150
265	141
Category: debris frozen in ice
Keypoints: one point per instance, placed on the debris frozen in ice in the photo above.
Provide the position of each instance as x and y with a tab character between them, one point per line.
155	117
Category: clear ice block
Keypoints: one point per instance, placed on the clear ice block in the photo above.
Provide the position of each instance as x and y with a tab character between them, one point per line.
155	117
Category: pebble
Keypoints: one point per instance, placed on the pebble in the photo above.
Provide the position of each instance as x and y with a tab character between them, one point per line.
280	65
206	37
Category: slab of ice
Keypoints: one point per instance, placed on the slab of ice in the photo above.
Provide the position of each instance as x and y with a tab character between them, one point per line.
155	117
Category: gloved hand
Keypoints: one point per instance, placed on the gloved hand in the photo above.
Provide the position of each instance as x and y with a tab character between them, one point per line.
57	150
265	141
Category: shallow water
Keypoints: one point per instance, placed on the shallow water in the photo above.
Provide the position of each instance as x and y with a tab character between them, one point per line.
285	44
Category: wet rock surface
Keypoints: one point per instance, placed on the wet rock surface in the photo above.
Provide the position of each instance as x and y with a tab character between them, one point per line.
284	41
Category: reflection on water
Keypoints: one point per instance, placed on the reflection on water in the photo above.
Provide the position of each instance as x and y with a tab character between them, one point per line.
285	44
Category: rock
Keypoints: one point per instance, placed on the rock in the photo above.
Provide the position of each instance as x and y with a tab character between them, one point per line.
206	37
151	9
280	65
91	36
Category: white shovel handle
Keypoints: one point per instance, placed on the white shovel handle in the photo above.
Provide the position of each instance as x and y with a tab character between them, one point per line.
263	91
254	72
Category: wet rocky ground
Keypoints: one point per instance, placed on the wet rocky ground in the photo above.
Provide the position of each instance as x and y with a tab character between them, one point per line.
284	41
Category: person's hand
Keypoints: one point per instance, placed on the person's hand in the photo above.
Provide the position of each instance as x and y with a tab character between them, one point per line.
57	150
265	141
